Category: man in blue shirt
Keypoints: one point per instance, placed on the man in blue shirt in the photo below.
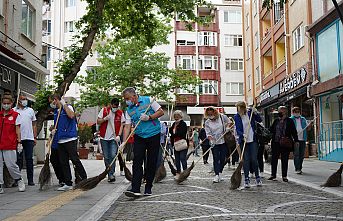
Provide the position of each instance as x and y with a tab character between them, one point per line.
146	138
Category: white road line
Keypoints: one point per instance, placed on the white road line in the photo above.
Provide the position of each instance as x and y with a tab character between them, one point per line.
173	193
271	209
183	203
198	187
98	210
256	214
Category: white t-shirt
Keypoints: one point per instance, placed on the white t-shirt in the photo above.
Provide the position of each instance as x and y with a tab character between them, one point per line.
155	106
215	128
27	116
246	126
72	138
110	129
299	129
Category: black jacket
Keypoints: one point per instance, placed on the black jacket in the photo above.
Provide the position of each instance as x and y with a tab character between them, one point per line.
290	131
202	136
180	132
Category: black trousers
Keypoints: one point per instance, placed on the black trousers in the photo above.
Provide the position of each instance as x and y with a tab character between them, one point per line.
55	161
28	146
276	151
68	151
144	148
204	149
260	153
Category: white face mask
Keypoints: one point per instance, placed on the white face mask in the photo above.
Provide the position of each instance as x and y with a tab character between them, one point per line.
297	115
52	105
211	117
23	102
114	109
6	106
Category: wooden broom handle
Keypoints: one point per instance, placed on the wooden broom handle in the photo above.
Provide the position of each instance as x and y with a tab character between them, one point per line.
249	126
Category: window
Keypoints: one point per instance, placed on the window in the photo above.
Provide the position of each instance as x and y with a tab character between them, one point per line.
234	64
207	39
27	20
208	62
188	90
257	75
208	87
234	88
1	6
278	11
233	40
233	16
68	26
247	20
49	54
298	38
185	42
70	3
257	40
255	8
185	62
341	43
249	82
248	51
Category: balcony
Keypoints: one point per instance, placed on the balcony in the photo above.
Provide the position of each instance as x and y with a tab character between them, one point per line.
209	75
213	27
186	99
208	50
181	25
185	50
280	71
279	30
266	43
208	99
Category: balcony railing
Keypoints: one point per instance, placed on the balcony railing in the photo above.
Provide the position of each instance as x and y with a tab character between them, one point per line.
281	62
331	141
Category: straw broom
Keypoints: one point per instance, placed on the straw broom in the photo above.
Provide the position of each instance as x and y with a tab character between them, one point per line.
171	166
45	173
185	174
90	183
335	179
236	177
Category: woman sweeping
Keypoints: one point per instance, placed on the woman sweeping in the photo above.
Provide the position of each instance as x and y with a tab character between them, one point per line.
215	125
178	133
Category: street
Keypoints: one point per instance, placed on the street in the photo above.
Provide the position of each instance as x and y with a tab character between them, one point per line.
195	199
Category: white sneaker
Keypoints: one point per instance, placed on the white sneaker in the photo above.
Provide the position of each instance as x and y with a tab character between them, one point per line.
221	178
216	179
261	174
1	188
122	173
65	188
21	185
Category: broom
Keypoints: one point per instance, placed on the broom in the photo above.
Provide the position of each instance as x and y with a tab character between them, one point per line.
185	174
170	164
335	179
45	173
236	177
90	183
193	151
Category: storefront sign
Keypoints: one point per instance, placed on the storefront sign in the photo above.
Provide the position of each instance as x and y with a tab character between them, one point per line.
7	77
294	81
270	93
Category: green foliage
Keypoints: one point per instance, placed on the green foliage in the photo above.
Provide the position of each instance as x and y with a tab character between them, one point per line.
269	3
42	94
85	134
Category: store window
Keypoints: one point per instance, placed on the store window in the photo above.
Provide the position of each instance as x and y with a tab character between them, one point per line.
331	107
27	20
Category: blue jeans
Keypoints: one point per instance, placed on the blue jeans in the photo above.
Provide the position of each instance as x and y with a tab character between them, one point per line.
109	149
28	151
250	159
180	159
219	153
196	148
299	155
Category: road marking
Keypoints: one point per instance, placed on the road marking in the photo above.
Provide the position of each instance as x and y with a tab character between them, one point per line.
198	187
183	203
173	193
104	204
46	207
256	214
271	209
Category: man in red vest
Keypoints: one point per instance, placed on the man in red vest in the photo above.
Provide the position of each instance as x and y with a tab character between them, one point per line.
110	119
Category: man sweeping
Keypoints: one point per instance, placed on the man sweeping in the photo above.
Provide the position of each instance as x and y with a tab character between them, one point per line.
65	139
146	138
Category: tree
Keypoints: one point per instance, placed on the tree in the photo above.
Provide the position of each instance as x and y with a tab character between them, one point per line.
129	18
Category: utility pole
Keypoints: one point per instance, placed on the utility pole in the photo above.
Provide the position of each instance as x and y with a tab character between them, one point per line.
340	14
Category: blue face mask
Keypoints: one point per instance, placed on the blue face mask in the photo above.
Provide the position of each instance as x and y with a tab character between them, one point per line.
129	103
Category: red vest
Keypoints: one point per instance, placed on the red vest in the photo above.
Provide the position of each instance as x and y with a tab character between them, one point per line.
117	121
8	135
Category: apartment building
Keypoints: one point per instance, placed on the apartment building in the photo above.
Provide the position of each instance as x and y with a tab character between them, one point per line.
327	34
21	63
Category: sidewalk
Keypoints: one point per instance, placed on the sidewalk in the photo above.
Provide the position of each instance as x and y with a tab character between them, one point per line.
315	173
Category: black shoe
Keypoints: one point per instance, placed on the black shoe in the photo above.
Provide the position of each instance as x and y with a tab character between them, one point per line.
285	179
147	192
273	178
61	184
15	184
31	184
111	180
130	193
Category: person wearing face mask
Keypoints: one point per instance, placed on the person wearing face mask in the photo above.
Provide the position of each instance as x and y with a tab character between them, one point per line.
299	152
110	119
146	139
178	131
245	133
28	131
282	127
65	141
215	126
10	141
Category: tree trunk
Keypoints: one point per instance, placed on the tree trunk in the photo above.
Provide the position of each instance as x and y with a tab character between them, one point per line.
89	39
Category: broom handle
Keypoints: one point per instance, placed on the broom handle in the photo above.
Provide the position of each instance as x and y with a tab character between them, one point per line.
165	145
245	140
132	132
311	121
56	123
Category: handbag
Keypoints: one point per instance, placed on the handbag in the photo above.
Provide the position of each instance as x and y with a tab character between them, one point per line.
180	145
228	137
286	143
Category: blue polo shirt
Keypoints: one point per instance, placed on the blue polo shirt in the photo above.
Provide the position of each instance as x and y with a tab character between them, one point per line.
148	128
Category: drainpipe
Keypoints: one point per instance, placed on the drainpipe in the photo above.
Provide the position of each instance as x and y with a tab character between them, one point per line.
197	55
286	37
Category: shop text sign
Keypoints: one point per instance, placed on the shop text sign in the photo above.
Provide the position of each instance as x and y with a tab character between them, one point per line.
6	77
296	79
270	93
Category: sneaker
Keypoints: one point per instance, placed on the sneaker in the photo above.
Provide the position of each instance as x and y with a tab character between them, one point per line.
216	179
273	178
130	193
31	184
221	178
1	188
246	184
147	192
261	174
258	181
111	179
65	188
122	173
61	184
21	185
298	172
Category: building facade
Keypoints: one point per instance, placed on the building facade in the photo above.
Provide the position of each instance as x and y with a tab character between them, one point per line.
327	88
21	62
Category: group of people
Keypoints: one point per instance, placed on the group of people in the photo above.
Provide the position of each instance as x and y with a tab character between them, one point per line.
18	132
